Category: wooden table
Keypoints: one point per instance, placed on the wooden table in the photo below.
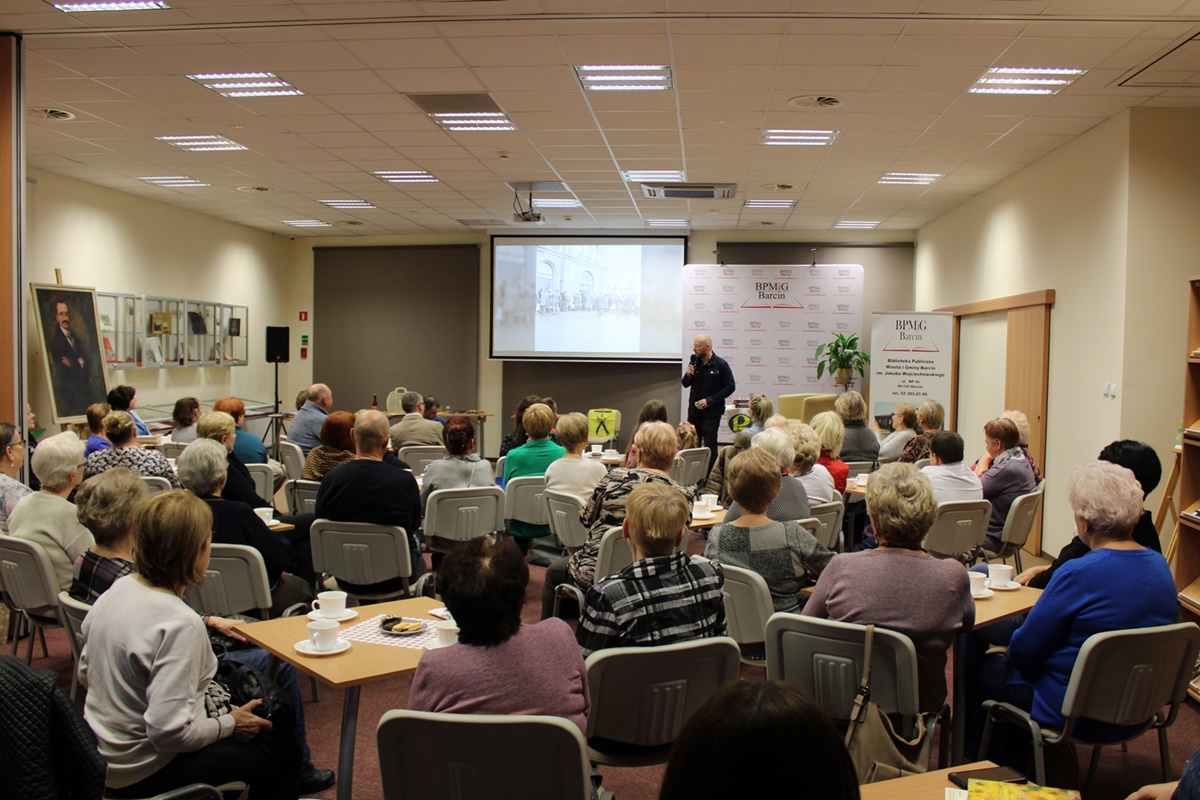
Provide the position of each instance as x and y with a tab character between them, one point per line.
362	663
716	519
281	527
930	786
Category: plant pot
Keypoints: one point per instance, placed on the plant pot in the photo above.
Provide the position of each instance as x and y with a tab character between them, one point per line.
844	376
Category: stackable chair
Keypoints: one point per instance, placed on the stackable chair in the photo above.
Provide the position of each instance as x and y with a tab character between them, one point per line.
830	516
459	515
959	529
419	457
748	606
562	514
155	484
690	466
293	459
1017	526
72	612
362	553
30	587
301	495
172	449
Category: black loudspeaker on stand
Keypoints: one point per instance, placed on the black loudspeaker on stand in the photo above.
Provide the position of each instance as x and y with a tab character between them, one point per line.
277	353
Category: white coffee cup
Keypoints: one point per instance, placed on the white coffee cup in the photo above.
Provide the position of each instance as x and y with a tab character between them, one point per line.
710	499
447	632
1001	574
323	634
331	605
610	453
979	582
861	480
701	509
266	514
596	448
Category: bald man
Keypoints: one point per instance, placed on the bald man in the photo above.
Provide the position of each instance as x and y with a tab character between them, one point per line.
711	381
305	429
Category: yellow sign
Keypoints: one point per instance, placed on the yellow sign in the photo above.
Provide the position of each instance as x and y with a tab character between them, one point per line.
602	422
739	422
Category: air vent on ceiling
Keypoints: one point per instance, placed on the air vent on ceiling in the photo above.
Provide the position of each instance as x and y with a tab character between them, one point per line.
688	191
58	115
481	223
814	101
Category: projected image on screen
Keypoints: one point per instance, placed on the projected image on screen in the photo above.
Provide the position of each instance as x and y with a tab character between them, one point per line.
603	298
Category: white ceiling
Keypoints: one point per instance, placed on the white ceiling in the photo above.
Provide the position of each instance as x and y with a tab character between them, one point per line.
901	68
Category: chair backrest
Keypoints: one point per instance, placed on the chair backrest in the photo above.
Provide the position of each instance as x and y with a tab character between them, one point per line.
172	449
824	659
433	756
463	514
690	466
804	406
604	425
614	555
393	400
28	576
562	513
1127	677
72	612
960	527
641	696
420	456
302	496
155	484
748	605
860	468
293	459
1020	519
523	500
830	516
235	582
264	481
360	552
500	467
921	463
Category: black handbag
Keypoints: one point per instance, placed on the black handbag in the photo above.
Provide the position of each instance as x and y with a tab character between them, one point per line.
245	683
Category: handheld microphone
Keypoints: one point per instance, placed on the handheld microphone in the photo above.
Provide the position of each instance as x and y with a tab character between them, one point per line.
694	360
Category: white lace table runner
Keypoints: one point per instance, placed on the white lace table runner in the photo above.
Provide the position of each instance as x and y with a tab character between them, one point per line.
368	631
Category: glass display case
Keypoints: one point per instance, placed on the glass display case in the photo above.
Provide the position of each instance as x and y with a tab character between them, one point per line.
120	325
146	332
234	332
165	341
202	335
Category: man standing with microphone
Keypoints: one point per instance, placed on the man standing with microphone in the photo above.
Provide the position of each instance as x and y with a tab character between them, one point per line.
711	381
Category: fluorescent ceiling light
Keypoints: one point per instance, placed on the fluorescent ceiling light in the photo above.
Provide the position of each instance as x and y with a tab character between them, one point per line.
1025	80
346	205
667	223
474	121
910	178
624	79
856	224
652	175
133	5
306	223
553	203
802	138
769	203
246	84
201	144
173	181
405	176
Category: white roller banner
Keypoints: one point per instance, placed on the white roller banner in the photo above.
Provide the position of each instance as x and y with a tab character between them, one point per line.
911	356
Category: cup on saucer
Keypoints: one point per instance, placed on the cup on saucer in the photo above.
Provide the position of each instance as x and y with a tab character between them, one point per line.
979	583
331	605
1000	575
323	634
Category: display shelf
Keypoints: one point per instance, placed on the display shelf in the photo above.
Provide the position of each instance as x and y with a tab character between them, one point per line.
1184	551
121	317
201	338
234	329
146	332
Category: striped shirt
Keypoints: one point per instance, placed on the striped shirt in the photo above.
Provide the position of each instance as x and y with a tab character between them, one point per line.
655	601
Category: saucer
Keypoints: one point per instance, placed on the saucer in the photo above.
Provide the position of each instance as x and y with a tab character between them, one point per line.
435	646
695	517
1011	586
984	595
349	613
305	646
717	508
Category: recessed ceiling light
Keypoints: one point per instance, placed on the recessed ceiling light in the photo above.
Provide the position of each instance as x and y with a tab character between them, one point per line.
474	121
201	144
910	178
667	223
856	224
173	181
799	137
246	84
306	223
553	203
769	203
652	175
346	205
405	176
1025	80
133	5
624	79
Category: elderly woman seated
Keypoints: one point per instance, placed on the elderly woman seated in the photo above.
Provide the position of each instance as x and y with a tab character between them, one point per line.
335	449
105	506
859	443
790	501
126	452
185	414
899	586
532	459
1005	474
784	553
718	476
818	483
574	474
462	467
12	458
930	417
904	420
832	433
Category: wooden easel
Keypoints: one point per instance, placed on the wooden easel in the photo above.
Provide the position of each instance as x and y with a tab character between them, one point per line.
1167	504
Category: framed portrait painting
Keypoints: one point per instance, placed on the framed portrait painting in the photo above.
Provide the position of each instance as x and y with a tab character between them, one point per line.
71	341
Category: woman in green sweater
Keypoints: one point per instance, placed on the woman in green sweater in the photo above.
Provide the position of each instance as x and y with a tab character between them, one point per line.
532	458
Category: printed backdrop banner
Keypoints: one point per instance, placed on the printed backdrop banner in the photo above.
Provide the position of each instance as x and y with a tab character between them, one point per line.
910	359
767	321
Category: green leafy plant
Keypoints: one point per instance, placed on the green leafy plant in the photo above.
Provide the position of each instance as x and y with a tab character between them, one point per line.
842	353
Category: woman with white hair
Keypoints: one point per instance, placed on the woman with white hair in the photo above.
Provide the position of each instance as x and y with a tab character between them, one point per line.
818	483
47	517
791	501
832	433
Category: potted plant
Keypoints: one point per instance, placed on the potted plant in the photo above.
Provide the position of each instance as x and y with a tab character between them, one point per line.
842	358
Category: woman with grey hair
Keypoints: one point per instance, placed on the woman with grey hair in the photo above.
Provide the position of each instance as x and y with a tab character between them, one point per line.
791	503
119	427
818	483
203	470
861	444
104	505
12	458
46	516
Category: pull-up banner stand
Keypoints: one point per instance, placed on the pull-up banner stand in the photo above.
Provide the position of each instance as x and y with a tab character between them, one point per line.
911	357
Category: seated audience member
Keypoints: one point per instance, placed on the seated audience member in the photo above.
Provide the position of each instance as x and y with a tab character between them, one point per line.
1005	474
1142	461
829	429
532	459
891	445
119	427
413	428
124	398
335	449
950	477
499	665
301	398
718	476
655	442
760	408
432	406
790	501
930	417
688	438
518	436
12	458
185	415
898	586
462	468
859	442
574	474
773	732
96	440
46	516
147	664
1019	419
104	505
305	429
651	411
783	552
249	448
818	483
1079	601
203	470
368	490
663	596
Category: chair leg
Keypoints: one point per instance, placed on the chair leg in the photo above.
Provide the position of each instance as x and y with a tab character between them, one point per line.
1017	558
42	635
1164	754
74	680
29	650
1092	767
316	690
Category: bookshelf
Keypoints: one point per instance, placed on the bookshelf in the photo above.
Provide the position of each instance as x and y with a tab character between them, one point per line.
1185	564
